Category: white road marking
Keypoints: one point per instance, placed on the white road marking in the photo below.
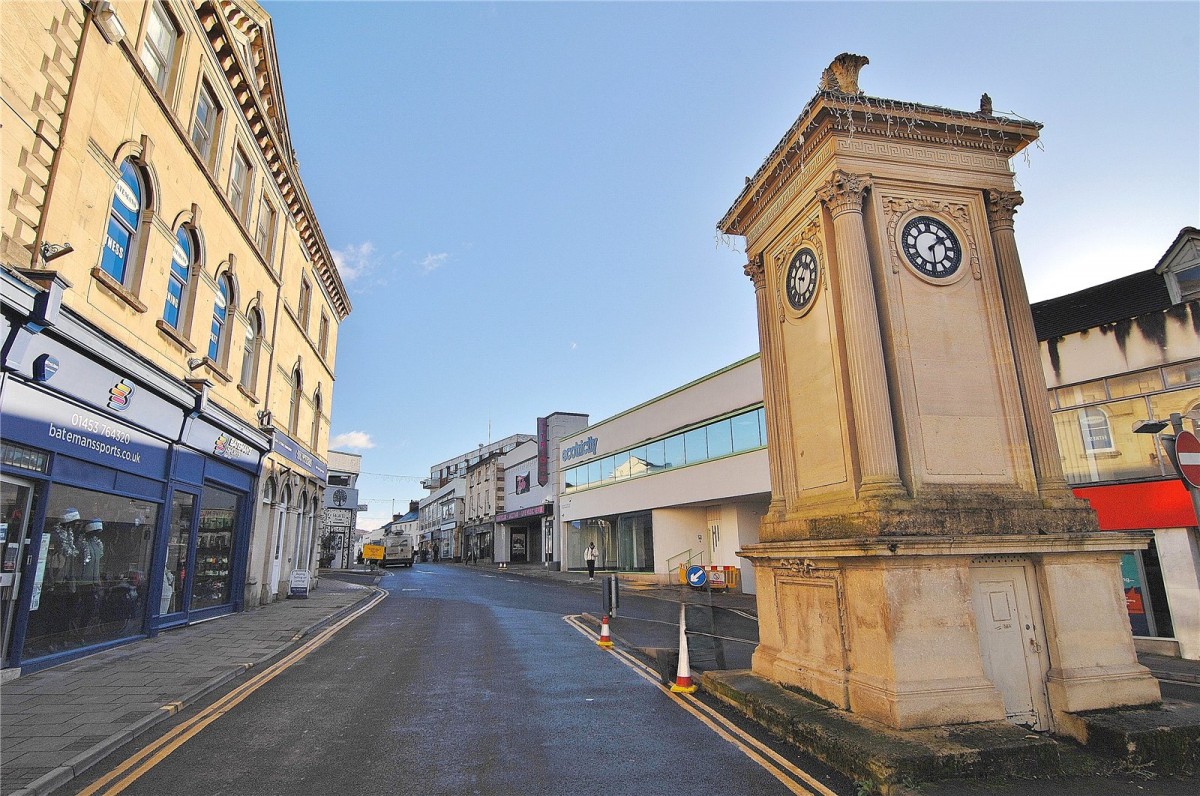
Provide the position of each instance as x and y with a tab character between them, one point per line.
776	764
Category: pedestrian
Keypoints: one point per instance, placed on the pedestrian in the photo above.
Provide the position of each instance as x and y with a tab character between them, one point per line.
589	556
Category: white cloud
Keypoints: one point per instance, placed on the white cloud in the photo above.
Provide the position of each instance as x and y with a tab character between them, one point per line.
355	261
432	262
354	440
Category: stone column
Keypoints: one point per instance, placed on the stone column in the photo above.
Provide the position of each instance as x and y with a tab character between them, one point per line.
778	448
1047	466
875	439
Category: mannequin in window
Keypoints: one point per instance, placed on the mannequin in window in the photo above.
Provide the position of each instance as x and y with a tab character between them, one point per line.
92	553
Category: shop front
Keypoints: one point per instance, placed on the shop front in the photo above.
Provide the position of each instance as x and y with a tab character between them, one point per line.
125	497
624	542
526	534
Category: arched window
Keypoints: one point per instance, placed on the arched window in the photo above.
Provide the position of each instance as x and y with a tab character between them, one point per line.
216	337
316	424
184	258
1093	425
124	218
294	406
251	347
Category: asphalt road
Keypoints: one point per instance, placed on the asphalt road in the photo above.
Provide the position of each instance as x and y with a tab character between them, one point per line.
467	681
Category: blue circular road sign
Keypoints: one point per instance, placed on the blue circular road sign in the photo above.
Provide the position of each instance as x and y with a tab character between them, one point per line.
696	576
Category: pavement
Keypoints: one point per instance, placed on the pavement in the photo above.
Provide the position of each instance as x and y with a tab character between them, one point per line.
57	723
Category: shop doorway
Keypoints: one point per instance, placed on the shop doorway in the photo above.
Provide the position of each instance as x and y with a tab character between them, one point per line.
16	501
1011	642
178	570
281	510
520	554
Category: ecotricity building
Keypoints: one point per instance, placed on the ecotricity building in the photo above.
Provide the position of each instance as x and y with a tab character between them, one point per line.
679	480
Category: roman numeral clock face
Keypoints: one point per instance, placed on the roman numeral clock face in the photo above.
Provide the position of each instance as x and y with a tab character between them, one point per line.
931	247
800	282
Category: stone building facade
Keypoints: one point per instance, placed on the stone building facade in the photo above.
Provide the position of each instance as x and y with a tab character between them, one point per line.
170	323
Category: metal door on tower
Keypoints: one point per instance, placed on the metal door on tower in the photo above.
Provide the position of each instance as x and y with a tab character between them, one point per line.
1011	642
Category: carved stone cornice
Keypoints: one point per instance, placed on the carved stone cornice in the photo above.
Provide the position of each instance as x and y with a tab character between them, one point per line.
843	193
756	270
1002	207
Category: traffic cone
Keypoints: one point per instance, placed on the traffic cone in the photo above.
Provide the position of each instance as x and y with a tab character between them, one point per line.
605	639
683	674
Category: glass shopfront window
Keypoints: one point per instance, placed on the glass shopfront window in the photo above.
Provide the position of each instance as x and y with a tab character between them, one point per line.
730	435
214	548
176	574
624	542
90	581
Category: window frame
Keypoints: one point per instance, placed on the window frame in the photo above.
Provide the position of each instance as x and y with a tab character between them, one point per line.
323	336
133	232
208	151
239	189
218	335
1087	429
304	305
251	351
162	67
186	281
264	231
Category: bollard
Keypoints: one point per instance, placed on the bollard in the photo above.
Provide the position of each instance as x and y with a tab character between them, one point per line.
610	595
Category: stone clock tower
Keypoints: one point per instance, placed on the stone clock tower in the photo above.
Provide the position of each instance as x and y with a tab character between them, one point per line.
923	560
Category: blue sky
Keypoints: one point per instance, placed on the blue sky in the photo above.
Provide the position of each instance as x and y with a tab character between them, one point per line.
522	196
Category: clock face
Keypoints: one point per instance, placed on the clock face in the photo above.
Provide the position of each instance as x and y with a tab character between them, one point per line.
931	247
801	280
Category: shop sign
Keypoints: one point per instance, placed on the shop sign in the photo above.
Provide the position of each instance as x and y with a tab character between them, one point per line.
44	421
291	450
543	448
298	584
219	443
586	447
337	517
101	387
519	514
341	498
372	552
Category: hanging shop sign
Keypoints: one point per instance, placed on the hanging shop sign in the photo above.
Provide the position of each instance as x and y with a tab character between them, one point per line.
543	449
343	497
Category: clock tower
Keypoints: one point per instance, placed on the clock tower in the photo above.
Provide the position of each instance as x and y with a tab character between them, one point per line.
923	560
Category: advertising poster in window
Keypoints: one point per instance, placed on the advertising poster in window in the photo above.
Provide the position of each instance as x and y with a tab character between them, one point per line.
1135	591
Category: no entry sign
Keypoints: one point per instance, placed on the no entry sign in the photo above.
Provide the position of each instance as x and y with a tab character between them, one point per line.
1187	448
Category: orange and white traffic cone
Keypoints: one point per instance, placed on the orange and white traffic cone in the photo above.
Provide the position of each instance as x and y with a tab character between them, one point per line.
683	674
605	639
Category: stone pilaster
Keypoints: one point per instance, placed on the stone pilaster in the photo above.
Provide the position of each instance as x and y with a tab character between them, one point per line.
775	406
1047	466
875	439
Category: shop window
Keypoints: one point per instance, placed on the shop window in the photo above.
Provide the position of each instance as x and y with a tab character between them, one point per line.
124	219
184	262
1183	373
1093	425
158	48
674	451
720	439
251	351
220	315
90	583
205	123
213	579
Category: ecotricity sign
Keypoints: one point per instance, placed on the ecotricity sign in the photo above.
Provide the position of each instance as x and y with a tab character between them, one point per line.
586	447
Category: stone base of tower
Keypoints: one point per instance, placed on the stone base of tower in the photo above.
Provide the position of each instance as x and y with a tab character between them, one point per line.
936	630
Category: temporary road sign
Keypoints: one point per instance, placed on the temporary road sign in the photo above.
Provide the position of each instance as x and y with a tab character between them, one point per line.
696	576
1187	449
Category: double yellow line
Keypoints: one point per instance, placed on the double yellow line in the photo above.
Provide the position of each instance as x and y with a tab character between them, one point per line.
147	758
795	779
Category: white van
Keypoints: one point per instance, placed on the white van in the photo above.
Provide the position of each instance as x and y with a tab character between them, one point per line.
397	549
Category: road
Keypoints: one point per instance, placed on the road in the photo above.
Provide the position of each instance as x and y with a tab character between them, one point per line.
466	681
